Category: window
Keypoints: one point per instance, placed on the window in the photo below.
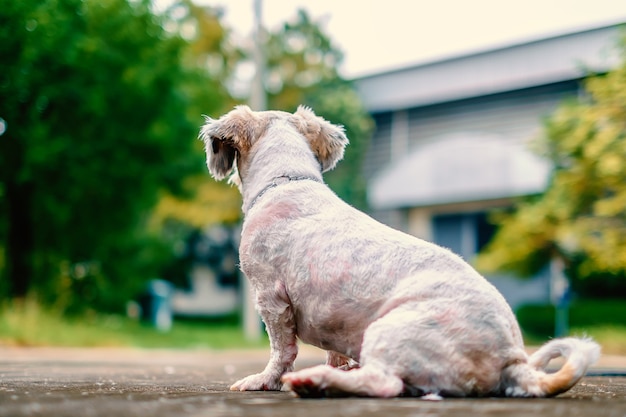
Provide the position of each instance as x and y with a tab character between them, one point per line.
463	233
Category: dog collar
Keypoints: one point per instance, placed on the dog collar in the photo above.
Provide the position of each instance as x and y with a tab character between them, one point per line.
283	179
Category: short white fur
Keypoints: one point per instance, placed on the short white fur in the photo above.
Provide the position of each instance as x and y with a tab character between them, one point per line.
412	317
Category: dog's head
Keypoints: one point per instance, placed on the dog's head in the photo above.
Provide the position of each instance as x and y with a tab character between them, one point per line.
232	136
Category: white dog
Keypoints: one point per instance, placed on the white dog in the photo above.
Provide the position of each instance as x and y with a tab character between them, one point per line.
411	317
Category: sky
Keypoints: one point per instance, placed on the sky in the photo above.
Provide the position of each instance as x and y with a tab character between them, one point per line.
380	35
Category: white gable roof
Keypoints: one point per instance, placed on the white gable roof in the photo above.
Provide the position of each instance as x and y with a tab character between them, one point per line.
540	62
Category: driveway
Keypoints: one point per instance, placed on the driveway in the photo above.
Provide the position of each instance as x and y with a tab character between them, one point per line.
127	382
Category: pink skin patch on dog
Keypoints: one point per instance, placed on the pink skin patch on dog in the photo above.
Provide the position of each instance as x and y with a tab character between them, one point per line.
335	269
273	212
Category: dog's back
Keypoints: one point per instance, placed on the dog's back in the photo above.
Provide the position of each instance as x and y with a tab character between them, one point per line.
343	270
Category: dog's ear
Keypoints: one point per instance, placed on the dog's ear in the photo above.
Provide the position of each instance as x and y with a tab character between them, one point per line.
226	138
327	140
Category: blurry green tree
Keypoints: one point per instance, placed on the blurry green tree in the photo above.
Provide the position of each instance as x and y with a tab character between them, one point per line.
302	68
101	112
581	216
100	104
211	48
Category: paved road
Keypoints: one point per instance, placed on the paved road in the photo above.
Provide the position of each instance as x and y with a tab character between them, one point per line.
114	382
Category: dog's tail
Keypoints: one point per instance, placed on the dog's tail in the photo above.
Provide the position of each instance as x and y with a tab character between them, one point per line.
531	380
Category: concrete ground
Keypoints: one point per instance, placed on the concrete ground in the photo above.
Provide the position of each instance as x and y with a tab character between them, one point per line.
125	382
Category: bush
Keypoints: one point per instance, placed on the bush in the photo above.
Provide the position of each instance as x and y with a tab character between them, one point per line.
538	320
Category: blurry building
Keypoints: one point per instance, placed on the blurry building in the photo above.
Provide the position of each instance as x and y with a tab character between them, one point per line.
451	139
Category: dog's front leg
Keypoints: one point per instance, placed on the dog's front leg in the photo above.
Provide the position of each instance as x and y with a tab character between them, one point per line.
277	315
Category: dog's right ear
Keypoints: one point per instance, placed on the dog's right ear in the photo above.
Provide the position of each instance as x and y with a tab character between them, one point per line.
327	141
226	138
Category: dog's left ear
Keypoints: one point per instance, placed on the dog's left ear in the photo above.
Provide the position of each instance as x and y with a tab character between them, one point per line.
226	138
327	140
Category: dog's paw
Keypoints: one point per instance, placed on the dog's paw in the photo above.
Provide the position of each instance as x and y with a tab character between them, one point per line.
258	382
311	383
304	384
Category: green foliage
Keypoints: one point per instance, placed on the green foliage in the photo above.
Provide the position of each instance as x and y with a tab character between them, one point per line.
300	58
581	217
212	203
202	201
95	97
101	174
210	51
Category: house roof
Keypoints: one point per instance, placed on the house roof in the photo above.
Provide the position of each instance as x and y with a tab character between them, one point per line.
540	62
438	173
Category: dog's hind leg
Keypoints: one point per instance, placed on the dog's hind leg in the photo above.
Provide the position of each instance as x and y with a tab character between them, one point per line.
377	377
326	381
337	360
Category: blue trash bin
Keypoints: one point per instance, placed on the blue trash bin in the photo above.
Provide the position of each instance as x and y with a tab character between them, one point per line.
156	308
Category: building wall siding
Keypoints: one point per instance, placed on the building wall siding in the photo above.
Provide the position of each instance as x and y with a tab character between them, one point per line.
511	116
378	154
540	62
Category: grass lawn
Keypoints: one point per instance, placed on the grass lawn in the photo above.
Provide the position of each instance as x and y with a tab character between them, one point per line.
604	320
611	338
28	324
